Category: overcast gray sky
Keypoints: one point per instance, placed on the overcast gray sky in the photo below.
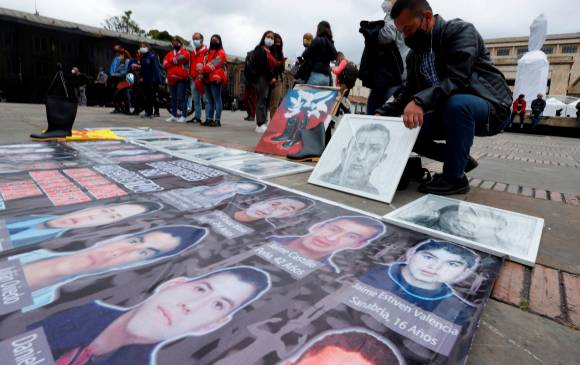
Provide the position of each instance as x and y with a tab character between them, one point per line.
242	22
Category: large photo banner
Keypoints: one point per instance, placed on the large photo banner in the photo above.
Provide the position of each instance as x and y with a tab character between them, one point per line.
234	271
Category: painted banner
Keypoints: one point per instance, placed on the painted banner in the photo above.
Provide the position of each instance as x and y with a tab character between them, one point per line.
231	270
304	107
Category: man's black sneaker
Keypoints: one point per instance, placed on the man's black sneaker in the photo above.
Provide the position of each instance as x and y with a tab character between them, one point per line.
471	164
441	185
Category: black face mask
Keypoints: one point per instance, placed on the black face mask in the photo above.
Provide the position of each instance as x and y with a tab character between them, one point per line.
420	41
214	45
177	48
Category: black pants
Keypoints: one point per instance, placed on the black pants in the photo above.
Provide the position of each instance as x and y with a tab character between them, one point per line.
521	114
149	99
262	100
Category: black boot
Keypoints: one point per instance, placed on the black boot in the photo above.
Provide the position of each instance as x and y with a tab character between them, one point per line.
312	144
441	185
289	131
60	115
297	136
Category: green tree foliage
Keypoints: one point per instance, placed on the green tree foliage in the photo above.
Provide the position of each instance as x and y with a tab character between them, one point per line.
164	36
124	24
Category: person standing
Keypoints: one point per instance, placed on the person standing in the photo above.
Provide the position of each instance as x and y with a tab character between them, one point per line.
263	67
101	86
176	62
151	75
519	108
299	70
538	106
319	55
382	65
214	76
79	82
277	73
197	89
451	98
249	97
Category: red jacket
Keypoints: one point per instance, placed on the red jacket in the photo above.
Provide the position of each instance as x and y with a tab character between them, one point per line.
214	69
197	61
177	65
515	106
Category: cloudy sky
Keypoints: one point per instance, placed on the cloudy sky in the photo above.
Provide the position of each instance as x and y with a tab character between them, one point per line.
242	22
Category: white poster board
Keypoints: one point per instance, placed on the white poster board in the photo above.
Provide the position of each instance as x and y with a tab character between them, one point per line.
262	167
495	231
366	156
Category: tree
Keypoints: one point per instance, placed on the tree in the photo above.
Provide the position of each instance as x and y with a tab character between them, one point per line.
124	24
164	36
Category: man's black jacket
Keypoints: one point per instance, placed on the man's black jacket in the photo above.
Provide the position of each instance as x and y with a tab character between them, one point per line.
381	65
538	106
463	66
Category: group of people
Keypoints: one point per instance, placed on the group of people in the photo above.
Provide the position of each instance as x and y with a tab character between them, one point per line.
519	109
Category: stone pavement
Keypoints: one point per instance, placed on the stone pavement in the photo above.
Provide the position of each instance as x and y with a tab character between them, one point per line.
534	314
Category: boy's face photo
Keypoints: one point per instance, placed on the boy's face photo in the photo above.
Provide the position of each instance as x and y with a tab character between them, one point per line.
364	153
338	235
473	224
275	208
182	306
121	252
436	266
97	216
332	355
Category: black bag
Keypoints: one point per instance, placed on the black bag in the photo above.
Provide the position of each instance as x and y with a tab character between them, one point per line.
414	170
61	110
349	75
249	67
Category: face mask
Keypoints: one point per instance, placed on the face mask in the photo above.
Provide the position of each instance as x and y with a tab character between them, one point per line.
269	42
176	47
420	41
387	6
214	45
307	43
197	43
143	49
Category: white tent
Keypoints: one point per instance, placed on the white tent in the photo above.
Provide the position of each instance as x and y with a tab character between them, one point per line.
555	108
533	67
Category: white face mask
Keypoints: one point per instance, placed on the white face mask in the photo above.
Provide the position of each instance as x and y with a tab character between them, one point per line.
143	49
387	6
269	42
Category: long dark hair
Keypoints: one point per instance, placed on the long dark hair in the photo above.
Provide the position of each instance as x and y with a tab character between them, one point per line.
278	51
263	39
221	45
324	30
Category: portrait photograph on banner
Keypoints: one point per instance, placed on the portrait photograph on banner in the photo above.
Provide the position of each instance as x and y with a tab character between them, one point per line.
496	231
263	167
304	108
366	156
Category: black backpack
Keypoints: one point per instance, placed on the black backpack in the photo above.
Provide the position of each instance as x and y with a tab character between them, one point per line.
349	75
249	67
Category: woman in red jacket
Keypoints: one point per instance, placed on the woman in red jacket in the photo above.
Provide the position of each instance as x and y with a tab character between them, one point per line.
197	59
176	62
214	76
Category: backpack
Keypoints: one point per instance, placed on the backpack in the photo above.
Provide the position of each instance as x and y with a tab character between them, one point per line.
249	67
349	75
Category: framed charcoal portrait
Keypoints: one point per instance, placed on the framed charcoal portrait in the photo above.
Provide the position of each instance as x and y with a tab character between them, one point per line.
263	167
366	156
495	231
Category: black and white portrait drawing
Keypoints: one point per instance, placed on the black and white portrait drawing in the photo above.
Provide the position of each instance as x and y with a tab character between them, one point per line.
262	167
488	229
366	156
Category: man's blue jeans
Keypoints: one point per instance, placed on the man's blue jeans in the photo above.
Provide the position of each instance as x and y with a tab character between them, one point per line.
536	119
318	79
457	122
196	101
378	97
213	95
178	91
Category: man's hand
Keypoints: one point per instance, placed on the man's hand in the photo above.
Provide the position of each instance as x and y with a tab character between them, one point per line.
413	115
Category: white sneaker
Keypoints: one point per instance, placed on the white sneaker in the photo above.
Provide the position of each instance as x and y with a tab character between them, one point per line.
181	120
171	119
261	129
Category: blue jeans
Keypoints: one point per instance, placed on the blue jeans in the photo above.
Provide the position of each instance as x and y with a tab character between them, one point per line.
536	119
318	79
178	91
213	95
196	101
378	97
457	122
